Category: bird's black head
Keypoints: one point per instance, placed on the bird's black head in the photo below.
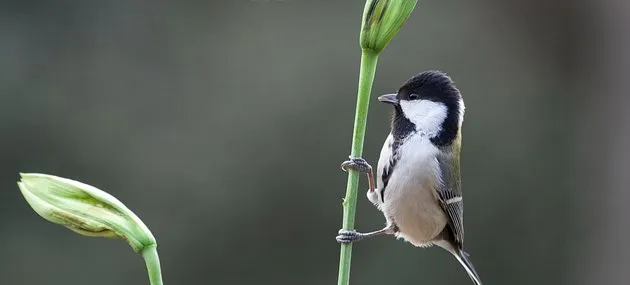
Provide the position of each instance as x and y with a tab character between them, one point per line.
428	103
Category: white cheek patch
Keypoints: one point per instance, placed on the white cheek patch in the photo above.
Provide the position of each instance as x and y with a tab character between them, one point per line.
426	115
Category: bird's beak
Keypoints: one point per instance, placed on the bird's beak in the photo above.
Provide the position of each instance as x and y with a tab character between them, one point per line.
389	98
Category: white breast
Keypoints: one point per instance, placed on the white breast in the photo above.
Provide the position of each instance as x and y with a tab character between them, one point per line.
410	199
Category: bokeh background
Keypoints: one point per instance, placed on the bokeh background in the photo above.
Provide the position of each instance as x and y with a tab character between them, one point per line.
222	125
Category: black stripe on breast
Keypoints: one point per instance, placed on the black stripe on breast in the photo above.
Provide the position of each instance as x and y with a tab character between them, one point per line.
401	129
387	173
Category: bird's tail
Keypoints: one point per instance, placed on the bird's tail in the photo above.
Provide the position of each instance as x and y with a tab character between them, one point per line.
462	257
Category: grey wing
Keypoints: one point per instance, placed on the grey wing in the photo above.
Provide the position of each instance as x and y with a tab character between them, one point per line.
450	193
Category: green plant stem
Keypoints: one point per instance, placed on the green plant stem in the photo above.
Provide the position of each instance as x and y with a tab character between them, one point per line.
152	260
366	78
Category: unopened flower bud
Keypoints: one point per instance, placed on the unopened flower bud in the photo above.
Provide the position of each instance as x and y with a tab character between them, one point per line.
84	209
382	19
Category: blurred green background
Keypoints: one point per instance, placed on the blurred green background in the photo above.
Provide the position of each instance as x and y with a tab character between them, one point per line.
222	125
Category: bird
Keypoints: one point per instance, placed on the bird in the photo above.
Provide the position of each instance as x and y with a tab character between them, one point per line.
418	181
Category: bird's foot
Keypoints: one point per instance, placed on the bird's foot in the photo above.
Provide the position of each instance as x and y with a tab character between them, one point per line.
358	164
345	236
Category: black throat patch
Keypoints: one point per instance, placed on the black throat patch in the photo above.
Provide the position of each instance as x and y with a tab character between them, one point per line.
401	126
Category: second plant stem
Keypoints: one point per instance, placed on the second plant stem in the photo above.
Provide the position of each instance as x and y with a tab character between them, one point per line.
152	260
366	78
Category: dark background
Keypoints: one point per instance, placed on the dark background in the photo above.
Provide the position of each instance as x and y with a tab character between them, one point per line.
222	125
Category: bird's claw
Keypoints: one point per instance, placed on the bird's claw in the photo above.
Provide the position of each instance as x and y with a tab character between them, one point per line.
356	163
345	236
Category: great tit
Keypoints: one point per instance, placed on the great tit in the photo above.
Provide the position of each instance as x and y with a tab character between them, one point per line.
418	185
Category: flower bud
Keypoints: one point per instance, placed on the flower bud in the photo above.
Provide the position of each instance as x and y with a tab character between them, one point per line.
382	19
84	209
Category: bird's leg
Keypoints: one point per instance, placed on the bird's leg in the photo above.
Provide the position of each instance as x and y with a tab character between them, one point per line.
359	164
353	236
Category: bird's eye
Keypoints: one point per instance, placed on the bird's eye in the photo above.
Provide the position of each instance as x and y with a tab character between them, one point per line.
414	97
